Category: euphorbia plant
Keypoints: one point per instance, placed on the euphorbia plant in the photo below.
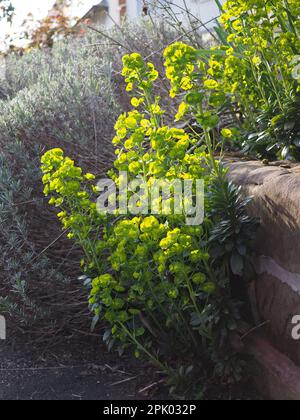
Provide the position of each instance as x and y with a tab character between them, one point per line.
251	75
161	286
262	41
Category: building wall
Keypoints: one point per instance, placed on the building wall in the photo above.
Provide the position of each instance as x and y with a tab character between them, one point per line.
205	10
118	9
133	9
98	17
114	10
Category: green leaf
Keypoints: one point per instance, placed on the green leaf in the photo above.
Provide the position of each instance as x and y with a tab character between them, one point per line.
139	332
134	311
94	322
208	53
106	335
285	152
194	98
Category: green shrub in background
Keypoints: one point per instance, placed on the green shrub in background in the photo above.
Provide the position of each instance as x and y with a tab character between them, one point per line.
73	104
65	99
162	287
261	40
251	74
31	288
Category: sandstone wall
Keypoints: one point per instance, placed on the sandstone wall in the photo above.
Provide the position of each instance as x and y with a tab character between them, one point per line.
276	201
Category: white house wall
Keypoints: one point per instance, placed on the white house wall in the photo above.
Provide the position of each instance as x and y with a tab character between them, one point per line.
134	9
205	10
114	11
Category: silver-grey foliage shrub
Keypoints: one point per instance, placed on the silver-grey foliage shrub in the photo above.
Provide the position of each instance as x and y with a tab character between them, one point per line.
32	283
69	97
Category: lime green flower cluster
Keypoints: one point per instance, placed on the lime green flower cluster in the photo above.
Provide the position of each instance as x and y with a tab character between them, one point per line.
147	147
153	278
142	249
143	263
188	73
252	73
137	73
71	190
180	61
61	176
267	35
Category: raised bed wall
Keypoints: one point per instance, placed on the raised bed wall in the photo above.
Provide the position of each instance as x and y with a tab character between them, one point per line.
276	202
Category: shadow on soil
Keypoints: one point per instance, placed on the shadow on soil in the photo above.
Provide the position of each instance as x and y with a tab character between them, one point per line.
77	368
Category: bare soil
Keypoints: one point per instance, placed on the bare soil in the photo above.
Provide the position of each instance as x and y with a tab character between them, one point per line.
76	368
79	367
